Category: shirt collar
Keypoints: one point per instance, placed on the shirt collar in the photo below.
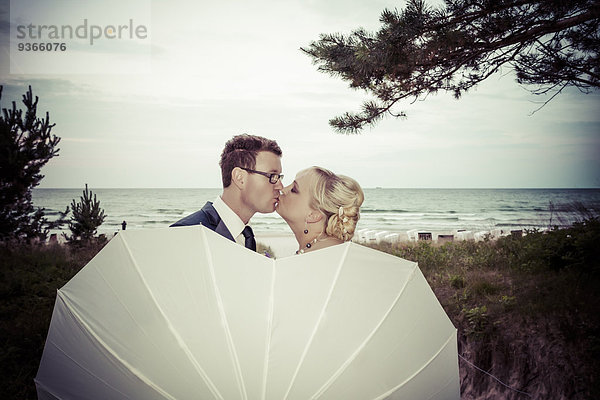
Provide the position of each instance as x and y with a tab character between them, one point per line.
232	221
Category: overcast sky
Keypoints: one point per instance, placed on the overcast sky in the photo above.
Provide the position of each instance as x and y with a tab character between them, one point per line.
156	112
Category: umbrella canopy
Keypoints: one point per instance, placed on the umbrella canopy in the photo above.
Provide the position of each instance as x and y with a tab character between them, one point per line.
183	313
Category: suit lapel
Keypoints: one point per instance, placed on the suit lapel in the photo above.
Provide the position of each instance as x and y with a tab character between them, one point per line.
216	222
221	229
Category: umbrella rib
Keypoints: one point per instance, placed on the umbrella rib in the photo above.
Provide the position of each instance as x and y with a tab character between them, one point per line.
45	389
56	346
448	382
417	372
230	344
353	356
176	335
269	330
77	320
88	329
313	333
110	286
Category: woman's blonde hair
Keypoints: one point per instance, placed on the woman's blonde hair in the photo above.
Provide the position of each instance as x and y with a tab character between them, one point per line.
339	197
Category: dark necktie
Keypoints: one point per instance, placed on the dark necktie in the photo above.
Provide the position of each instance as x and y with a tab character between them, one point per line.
250	241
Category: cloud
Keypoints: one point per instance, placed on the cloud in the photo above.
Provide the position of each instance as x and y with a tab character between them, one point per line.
4	19
220	69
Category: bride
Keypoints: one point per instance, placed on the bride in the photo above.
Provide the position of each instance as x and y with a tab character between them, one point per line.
321	208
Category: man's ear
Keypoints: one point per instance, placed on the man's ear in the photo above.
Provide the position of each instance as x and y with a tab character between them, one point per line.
314	216
238	177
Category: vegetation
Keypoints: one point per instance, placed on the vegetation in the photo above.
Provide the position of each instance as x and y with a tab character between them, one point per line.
525	309
87	217
30	274
422	49
265	250
26	145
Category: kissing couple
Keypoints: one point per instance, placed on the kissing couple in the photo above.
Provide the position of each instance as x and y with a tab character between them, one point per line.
320	207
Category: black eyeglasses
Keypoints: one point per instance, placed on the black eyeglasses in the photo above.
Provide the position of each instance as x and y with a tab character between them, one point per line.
273	178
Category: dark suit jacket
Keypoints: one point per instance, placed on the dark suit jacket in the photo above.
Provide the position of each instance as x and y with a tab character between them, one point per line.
209	217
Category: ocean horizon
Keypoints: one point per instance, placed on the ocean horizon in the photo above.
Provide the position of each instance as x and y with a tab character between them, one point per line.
384	209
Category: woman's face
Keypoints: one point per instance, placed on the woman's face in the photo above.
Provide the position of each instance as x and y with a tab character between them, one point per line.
294	202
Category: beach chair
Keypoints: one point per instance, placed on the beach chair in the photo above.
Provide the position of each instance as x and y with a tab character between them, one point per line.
480	236
425	236
359	236
380	235
412	235
464	235
392	238
441	239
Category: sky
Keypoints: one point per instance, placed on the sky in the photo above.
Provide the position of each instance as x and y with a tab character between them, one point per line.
155	111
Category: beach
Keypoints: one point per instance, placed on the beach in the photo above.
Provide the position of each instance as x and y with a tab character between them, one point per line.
284	244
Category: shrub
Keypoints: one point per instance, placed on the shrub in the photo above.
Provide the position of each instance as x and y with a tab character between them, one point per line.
456	281
87	217
478	321
574	248
26	145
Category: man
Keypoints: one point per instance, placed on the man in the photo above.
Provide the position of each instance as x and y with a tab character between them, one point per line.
251	174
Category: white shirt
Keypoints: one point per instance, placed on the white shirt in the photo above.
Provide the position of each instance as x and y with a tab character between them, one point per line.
232	221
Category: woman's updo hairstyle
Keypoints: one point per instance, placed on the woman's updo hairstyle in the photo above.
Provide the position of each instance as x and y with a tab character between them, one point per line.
338	197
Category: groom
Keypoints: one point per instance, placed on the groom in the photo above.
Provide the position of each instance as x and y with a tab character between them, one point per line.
251	173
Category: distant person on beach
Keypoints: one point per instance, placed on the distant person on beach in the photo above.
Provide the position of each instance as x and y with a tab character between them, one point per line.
251	174
321	208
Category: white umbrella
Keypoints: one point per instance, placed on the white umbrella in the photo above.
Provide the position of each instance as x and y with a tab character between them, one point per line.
183	313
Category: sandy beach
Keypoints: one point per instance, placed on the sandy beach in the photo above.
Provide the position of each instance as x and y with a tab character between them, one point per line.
284	244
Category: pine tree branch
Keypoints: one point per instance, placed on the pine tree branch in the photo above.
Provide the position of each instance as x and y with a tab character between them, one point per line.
422	50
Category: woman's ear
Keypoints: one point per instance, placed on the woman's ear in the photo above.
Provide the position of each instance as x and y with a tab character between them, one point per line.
238	177
314	216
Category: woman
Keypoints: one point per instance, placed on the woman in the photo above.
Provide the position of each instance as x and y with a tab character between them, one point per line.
321	208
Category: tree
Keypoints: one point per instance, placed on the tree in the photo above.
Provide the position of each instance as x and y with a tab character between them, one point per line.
550	44
26	145
87	217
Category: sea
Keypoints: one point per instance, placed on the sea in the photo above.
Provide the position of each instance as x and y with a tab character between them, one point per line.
384	209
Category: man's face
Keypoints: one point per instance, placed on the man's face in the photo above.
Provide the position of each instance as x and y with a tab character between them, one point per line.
259	195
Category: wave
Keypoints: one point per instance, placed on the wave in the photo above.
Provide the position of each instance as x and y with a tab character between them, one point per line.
161	222
389	209
170	211
478	218
520	209
366	210
382	210
434	218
